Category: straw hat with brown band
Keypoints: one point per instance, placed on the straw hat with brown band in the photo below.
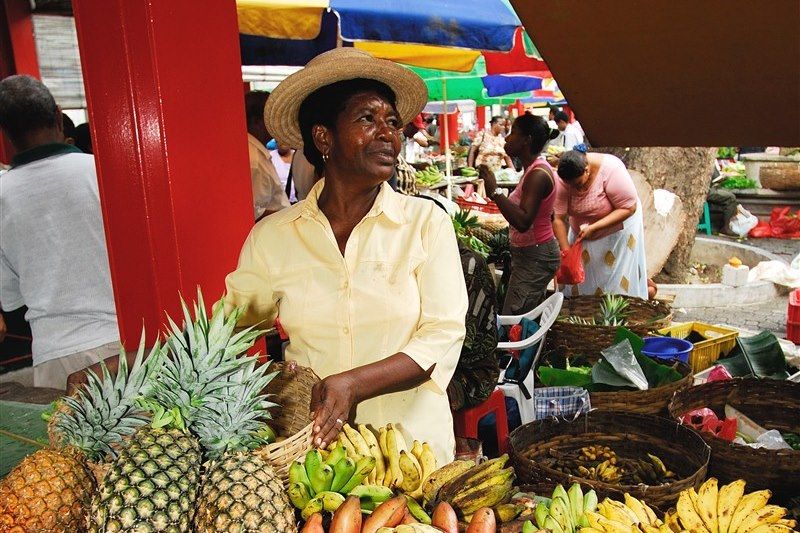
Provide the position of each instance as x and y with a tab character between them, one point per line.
283	106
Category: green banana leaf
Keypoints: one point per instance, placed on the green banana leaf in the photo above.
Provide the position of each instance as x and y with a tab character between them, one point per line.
657	374
572	377
760	356
618	367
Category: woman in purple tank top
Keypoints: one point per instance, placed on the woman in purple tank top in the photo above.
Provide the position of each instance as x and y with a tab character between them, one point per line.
535	255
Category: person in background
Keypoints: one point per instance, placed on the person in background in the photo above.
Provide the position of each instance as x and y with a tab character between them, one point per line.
535	256
268	193
302	175
551	117
597	203
432	130
488	148
571	134
53	256
282	159
414	140
83	138
69	129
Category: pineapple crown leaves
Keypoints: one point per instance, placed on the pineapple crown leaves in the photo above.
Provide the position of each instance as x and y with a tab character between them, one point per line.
232	419
105	411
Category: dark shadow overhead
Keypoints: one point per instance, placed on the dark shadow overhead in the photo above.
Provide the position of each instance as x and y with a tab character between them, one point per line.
677	73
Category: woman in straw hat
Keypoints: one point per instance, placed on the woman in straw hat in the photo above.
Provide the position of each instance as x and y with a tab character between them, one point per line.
367	282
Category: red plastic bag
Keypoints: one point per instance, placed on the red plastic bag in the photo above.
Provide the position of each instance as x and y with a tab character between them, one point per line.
571	270
706	420
783	224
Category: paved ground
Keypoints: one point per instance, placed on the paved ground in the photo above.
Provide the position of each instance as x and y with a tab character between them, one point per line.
769	316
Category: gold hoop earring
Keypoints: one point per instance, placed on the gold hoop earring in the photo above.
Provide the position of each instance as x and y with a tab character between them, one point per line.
325	157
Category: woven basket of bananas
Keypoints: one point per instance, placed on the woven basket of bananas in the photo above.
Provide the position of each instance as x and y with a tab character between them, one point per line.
770	403
648	402
588	324
291	389
613	452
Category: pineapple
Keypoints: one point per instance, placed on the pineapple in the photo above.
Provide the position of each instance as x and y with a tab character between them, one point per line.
51	490
613	310
468	225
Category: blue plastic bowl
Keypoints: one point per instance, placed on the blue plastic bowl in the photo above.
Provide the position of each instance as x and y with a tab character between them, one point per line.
667	348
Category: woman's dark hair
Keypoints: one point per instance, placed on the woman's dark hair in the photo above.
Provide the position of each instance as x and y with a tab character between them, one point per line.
83	138
561	115
496	119
69	126
324	105
572	165
537	129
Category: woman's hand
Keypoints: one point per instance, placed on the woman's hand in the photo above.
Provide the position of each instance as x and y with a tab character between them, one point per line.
331	402
489	181
587	230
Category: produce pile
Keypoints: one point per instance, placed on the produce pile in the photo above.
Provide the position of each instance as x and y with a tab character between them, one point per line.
176	437
613	312
601	463
429	177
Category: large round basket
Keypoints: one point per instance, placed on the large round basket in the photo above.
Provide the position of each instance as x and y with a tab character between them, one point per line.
572	340
647	402
291	390
629	434
772	404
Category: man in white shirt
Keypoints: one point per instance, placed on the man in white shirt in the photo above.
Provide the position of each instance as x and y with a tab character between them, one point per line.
282	159
53	256
268	194
571	134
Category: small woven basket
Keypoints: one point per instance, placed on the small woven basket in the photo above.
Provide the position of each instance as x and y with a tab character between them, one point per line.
570	339
629	434
772	404
646	402
291	390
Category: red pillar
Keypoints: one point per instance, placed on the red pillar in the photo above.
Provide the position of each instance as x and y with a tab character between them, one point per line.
452	129
480	113
164	91
17	51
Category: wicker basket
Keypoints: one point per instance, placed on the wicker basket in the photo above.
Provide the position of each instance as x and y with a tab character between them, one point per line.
780	176
292	419
772	404
579	339
646	402
630	434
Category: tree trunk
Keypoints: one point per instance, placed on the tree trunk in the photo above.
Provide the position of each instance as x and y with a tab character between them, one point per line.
685	172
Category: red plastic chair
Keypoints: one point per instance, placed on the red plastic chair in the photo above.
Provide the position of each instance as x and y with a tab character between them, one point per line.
465	421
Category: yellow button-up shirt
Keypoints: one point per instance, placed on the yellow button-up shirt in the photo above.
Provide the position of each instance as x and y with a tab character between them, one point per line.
398	288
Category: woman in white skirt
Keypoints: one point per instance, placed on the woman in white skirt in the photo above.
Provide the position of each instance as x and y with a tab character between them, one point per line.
596	202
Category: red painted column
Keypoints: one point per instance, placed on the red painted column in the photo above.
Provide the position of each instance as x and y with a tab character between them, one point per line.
17	51
164	90
480	113
452	129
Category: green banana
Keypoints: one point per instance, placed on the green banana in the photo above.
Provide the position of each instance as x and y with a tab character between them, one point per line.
297	474
374	493
313	463
363	467
590	501
559	492
551	524
540	514
322	479
336	455
342	472
331	500
298	495
417	511
575	494
314	505
528	527
559	510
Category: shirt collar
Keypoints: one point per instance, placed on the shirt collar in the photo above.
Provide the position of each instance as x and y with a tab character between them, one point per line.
41	152
387	203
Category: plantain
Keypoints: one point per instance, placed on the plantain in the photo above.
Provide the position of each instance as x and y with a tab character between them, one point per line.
706	505
499	478
487	498
769	514
689	518
506	512
540	513
434	482
749	504
417	511
474	475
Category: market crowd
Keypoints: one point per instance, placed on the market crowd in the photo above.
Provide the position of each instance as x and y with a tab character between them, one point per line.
372	287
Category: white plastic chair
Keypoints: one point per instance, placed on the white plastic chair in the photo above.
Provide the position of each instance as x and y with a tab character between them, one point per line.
545	314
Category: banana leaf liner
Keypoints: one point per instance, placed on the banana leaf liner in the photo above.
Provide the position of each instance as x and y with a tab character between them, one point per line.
772	404
629	435
653	401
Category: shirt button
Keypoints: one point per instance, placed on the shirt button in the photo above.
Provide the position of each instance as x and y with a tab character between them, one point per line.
346	330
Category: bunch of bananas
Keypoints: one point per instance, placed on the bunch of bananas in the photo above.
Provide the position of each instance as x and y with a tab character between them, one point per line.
469	487
633	515
727	509
469	172
601	463
396	466
567	510
428	177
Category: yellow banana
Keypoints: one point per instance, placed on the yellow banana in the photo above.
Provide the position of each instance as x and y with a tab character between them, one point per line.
729	497
770	528
401	441
642	510
690	520
598	521
621	513
671	522
707	504
416	449
411	470
438	478
361	446
348	446
394	456
374	448
748	505
427	460
769	514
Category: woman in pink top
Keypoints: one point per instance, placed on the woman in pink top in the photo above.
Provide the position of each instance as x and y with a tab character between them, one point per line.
535	255
596	202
